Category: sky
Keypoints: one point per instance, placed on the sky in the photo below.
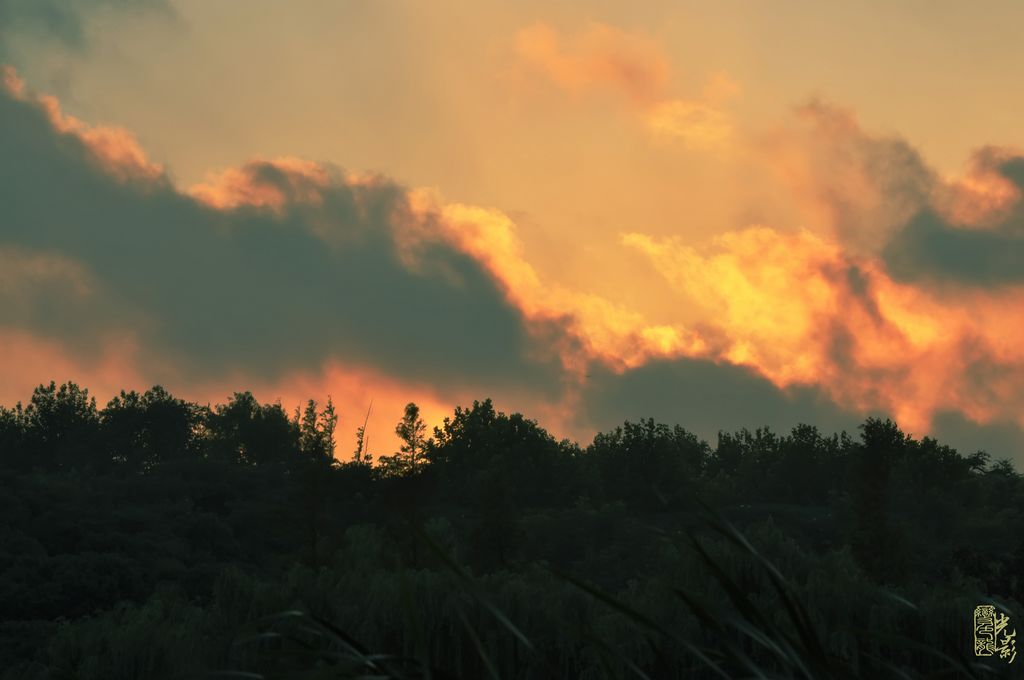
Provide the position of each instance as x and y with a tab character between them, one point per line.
722	215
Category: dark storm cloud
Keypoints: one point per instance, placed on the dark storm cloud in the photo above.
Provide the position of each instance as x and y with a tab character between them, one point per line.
931	248
706	397
1002	439
253	289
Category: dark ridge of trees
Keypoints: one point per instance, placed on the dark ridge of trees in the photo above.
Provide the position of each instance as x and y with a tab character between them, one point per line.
141	540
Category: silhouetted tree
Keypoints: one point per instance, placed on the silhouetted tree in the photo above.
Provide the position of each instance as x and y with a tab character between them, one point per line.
143	430
481	441
245	431
412	431
874	541
12	435
328	425
648	463
62	428
316	431
412	452
808	466
310	439
362	455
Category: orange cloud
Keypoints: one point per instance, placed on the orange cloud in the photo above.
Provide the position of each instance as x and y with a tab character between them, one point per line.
487	235
294	179
600	56
599	329
604	57
800	310
30	360
10	80
115	149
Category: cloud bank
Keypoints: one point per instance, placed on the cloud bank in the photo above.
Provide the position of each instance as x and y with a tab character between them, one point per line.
903	299
273	268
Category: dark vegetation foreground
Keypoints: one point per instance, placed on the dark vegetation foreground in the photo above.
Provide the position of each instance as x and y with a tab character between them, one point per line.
161	539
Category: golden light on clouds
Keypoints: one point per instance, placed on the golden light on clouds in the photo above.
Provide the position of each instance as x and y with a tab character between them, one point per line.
116	149
234	187
799	310
603	330
793	278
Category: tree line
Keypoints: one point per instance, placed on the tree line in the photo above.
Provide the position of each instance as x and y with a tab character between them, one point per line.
158	514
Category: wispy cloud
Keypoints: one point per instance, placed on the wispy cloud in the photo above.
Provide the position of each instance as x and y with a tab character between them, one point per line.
603	57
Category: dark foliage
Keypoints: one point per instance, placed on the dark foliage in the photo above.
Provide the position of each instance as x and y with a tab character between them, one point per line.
156	538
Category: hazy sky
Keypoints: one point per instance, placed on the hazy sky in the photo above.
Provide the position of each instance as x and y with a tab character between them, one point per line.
719	214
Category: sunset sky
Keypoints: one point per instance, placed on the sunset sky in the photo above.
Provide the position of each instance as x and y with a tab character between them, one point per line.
716	214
